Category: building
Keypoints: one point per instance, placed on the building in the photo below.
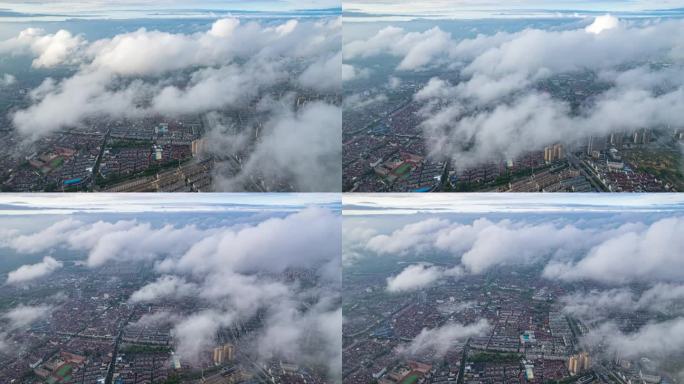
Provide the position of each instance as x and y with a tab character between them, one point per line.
584	361
157	152
554	153
573	365
223	354
616	139
579	363
197	147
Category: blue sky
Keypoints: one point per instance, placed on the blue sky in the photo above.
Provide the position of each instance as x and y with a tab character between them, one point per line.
124	9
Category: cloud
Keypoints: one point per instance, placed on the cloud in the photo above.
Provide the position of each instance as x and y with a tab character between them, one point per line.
280	269
197	333
297	150
516	241
312	336
50	49
42	240
24	315
438	341
155	319
412	236
293	142
358	101
602	23
165	287
654	250
419	276
33	271
324	74
393	82
566	250
501	109
7	80
350	73
600	305
659	340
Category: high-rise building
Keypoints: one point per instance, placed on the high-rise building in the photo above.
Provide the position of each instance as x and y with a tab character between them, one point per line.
584	361
616	139
219	356
223	353
558	152
573	365
228	352
553	153
197	146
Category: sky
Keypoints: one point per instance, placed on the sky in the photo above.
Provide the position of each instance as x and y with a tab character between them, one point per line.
468	9
384	204
123	9
44	204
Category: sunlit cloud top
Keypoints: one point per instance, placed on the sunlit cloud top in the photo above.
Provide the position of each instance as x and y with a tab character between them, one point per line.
30	204
386	204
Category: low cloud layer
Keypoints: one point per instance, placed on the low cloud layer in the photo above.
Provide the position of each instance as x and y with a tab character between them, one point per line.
439	340
25	315
598	305
497	112
420	276
568	251
233	271
33	271
657	340
166	287
234	65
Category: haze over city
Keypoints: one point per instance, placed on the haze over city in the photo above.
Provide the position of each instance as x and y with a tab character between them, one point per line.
181	291
169	96
517	96
537	289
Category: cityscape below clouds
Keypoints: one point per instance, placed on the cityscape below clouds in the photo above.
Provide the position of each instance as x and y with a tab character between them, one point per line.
342	192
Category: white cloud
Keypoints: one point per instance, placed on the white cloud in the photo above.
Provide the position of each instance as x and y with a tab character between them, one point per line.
602	23
349	73
414	236
659	340
419	276
197	333
324	74
25	315
165	287
33	271
50	49
438	341
496	113
148	72
299	148
631	256
568	251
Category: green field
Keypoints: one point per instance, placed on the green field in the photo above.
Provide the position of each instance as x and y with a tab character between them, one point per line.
64	370
402	169
410	380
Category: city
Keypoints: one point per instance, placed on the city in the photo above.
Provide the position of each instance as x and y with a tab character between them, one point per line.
453	105
431	298
129	298
86	106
